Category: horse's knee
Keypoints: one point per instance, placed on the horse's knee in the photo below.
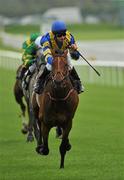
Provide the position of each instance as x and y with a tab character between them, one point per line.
68	147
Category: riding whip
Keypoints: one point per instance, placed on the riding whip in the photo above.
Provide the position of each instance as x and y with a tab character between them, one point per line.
88	63
84	59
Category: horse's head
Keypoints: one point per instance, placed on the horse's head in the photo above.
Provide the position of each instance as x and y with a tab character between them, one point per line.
60	70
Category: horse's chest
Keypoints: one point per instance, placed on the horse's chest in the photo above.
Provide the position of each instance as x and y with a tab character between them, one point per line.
56	119
58	114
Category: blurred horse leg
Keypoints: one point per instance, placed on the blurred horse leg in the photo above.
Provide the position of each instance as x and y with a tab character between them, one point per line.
37	123
18	93
65	145
43	149
30	136
33	125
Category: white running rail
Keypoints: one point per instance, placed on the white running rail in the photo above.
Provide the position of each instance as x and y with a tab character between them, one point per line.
112	72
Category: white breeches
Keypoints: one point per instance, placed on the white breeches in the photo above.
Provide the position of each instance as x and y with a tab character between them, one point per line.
32	68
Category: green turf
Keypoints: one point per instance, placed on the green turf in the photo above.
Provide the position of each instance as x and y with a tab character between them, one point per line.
97	139
22	29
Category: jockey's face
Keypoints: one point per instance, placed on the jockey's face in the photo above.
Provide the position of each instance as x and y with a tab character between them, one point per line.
61	36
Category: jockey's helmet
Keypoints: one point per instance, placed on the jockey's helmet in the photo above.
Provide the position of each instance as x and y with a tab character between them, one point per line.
58	27
34	36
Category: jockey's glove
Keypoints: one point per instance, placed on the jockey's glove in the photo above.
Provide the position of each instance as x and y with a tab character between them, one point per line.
75	55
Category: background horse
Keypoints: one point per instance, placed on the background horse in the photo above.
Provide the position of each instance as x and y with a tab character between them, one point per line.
19	97
56	106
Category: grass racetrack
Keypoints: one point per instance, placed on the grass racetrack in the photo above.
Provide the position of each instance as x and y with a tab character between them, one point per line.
97	138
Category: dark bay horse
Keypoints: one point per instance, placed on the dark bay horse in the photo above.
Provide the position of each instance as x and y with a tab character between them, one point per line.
56	106
18	94
23	101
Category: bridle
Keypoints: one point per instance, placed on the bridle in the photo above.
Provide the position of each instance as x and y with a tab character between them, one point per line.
63	78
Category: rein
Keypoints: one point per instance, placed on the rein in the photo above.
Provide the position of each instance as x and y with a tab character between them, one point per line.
60	99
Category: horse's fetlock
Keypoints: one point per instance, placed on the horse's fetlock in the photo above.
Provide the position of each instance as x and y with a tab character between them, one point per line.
41	149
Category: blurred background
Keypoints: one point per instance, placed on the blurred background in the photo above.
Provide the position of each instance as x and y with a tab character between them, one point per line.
98	28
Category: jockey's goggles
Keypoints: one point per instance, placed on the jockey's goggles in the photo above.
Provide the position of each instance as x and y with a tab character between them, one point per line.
60	34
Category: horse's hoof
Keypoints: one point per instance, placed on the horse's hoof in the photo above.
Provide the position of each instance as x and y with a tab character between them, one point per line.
24	131
42	150
68	147
62	167
38	149
30	138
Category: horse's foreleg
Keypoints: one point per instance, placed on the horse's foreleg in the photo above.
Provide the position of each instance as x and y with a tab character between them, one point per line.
23	108
24	129
37	124
44	149
65	145
39	140
36	130
30	136
18	93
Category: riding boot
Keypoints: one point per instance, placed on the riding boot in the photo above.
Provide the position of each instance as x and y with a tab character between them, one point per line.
39	85
77	81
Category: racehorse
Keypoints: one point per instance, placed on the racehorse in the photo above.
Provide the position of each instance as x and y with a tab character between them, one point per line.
56	106
19	95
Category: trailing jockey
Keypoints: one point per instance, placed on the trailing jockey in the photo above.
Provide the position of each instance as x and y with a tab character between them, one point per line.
28	58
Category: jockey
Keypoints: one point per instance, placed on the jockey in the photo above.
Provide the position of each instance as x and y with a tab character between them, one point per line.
29	51
29	41
58	41
29	57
